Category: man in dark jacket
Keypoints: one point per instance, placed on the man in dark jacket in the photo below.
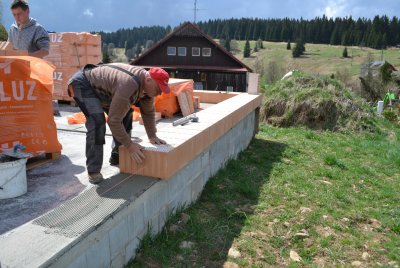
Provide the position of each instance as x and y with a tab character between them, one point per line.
114	88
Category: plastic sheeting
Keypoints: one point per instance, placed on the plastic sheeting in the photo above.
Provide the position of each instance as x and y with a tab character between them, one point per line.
26	111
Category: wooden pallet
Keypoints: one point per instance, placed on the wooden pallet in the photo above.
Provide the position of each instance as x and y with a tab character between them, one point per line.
40	160
69	102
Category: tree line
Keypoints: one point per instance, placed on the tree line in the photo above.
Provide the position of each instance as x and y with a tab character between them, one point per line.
379	32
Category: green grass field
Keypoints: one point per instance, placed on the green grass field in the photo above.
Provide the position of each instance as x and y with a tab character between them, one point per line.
295	198
319	59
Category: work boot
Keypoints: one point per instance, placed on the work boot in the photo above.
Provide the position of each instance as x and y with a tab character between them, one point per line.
95	177
114	159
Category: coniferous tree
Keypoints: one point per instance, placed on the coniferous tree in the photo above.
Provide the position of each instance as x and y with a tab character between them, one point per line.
298	49
260	44
106	57
338	31
227	44
296	53
345	54
3	33
384	41
255	48
246	51
288	46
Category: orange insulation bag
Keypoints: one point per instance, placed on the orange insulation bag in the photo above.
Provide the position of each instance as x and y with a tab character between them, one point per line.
26	110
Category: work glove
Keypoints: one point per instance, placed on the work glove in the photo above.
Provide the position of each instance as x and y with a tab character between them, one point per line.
156	140
135	151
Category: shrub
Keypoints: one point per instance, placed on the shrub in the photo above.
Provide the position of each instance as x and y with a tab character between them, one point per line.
390	115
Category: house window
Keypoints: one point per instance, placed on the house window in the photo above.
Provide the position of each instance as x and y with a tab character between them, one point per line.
206	52
198	85
182	51
171	51
195	51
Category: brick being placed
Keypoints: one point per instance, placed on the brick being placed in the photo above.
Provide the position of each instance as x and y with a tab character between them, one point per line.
185	142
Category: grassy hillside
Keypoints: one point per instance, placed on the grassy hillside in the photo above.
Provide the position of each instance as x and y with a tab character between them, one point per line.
294	198
319	59
317	102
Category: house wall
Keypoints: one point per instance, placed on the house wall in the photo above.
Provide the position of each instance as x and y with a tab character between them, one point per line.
213	80
159	57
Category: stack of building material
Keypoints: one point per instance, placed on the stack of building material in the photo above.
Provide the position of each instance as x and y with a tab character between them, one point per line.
26	109
185	100
179	99
6	49
69	52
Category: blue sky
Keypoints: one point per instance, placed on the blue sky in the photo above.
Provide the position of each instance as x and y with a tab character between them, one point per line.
111	15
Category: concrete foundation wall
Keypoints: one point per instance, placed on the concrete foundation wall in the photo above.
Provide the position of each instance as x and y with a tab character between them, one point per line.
116	241
113	241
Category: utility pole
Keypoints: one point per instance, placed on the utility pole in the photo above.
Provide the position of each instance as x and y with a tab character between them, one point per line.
195	10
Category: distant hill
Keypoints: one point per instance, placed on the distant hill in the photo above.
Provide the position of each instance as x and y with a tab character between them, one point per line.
318	58
378	33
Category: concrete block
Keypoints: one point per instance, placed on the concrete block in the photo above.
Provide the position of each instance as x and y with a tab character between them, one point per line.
192	170
119	260
119	237
197	186
136	221
182	198
99	254
205	159
79	262
175	184
155	198
154	224
131	249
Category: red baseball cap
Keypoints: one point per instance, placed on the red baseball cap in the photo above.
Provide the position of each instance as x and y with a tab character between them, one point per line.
161	77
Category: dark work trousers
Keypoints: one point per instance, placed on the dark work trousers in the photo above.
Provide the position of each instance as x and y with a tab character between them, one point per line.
93	108
127	123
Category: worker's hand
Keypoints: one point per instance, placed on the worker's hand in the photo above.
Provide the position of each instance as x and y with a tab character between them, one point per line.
157	140
135	151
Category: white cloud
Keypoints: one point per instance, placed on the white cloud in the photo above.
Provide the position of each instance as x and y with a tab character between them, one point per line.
88	13
335	8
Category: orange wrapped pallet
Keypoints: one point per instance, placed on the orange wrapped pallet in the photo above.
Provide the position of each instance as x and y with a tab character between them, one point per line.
167	104
60	78
26	110
69	52
6	49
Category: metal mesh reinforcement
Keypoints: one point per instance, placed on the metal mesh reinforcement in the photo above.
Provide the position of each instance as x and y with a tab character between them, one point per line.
94	206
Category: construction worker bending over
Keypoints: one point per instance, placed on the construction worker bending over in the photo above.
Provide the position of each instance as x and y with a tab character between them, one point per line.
26	33
113	89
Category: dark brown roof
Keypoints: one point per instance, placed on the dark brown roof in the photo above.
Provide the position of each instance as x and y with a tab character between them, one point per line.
190	29
200	68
